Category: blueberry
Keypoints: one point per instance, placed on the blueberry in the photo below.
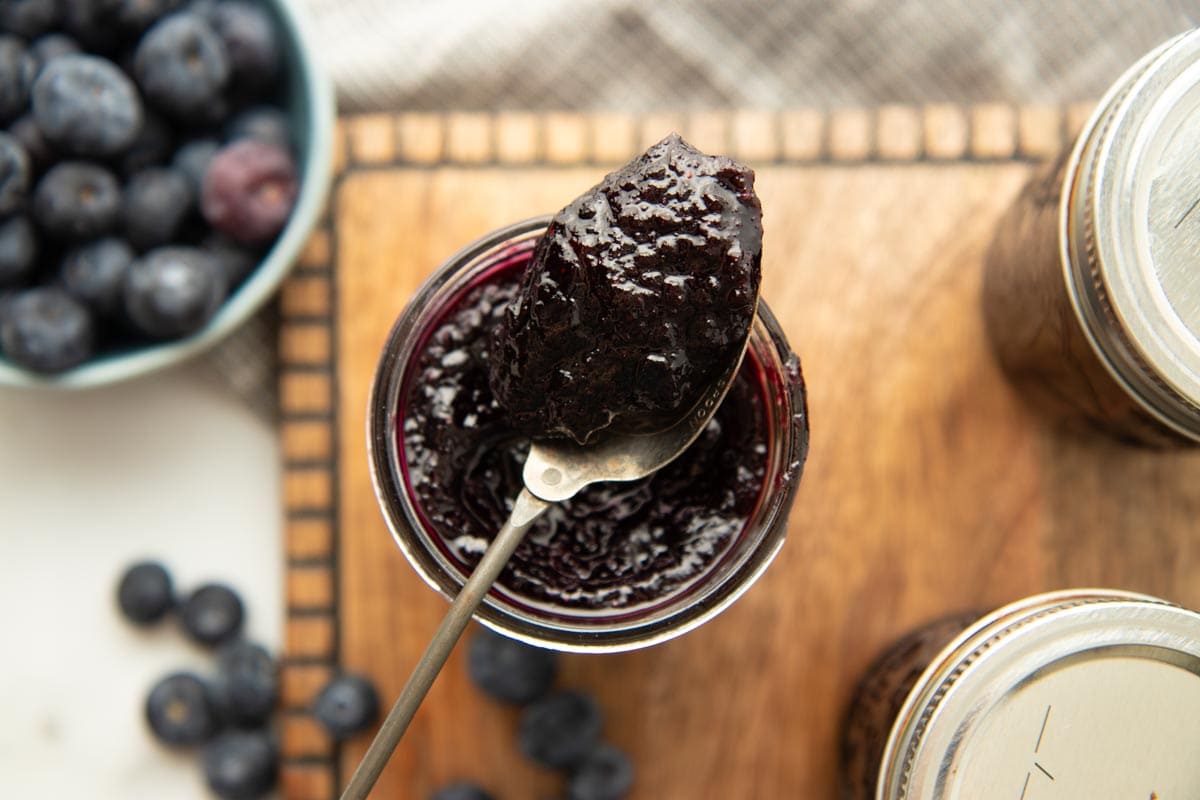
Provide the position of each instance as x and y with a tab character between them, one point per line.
46	330
18	68
94	273
86	106
241	765
560	729
236	261
92	22
144	594
212	614
135	16
508	670
605	774
246	685
180	712
30	137
154	205
77	200
193	158
14	174
152	147
347	705
27	18
173	291
18	250
249	191
249	39
264	123
461	791
181	65
51	46
7	296
203	7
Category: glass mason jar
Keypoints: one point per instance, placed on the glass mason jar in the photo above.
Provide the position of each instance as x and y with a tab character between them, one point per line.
1083	693
565	628
1090	293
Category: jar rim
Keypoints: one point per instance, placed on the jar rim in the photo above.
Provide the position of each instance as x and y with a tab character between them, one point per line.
786	410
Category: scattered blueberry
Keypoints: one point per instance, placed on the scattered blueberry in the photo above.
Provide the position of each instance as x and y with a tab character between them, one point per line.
18	68
241	765
77	200
236	261
49	47
347	705
46	330
180	712
152	147
173	291
14	174
30	137
264	123
560	729
144	594
248	36
27	18
154	205
212	614
94	273
249	191
18	250
246	685
461	791
86	105
508	670
181	65
605	774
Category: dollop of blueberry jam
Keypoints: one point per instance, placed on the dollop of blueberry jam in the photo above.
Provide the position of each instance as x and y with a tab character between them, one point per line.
614	545
638	297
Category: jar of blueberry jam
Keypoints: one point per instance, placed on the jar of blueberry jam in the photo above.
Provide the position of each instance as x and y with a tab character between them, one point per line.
1090	292
1078	693
619	566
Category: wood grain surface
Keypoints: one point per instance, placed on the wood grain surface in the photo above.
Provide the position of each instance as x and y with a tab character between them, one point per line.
930	487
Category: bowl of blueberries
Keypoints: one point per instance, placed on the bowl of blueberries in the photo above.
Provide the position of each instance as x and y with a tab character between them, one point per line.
162	163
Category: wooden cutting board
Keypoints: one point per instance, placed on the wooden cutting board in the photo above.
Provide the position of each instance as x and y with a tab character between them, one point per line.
929	488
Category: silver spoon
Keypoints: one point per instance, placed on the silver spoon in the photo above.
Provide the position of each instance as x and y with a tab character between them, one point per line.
554	471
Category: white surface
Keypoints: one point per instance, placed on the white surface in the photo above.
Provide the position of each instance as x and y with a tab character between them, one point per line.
169	467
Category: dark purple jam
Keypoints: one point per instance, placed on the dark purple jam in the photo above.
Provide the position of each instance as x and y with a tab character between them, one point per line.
613	546
637	299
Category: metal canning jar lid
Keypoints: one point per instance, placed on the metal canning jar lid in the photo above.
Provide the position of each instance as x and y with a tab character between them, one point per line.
1130	232
1078	694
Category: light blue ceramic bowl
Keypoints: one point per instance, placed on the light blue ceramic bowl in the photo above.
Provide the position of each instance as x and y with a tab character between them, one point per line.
308	100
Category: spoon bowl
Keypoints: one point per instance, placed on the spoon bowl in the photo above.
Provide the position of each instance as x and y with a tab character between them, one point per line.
558	469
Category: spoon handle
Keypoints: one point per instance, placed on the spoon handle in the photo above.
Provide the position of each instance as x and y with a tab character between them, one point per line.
526	509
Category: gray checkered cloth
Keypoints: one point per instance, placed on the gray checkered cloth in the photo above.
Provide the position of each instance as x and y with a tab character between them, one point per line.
637	55
641	55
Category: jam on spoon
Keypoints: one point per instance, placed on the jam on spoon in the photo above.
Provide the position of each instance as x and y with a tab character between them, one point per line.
638	297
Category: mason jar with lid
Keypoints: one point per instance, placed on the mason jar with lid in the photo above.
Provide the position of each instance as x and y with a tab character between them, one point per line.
1092	285
1073	695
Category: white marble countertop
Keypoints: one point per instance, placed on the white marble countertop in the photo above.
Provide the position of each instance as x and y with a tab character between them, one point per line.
169	467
